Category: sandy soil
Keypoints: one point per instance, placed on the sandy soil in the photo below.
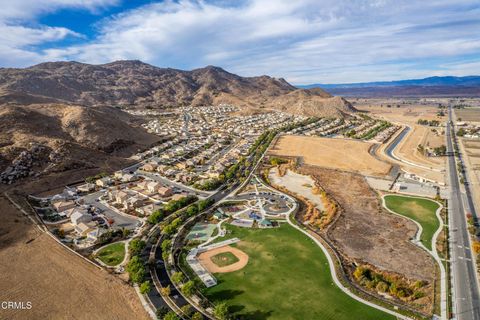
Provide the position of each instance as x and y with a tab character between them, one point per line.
208	264
298	184
59	284
343	154
366	232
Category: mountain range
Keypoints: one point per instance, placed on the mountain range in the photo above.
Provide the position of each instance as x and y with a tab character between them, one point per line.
431	86
134	84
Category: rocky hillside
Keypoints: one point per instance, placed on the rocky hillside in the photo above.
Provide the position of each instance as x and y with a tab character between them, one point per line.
56	137
136	84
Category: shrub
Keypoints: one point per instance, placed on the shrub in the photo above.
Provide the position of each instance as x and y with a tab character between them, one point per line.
382	286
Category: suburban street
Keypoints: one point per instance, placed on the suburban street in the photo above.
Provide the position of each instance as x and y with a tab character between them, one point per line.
466	304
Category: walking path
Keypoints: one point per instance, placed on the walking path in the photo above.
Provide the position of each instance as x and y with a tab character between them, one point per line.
333	271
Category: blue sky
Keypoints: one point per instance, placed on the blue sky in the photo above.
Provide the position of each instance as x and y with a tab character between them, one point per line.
304	41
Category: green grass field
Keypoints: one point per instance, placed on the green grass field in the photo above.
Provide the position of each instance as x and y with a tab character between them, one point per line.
112	254
287	277
419	209
224	259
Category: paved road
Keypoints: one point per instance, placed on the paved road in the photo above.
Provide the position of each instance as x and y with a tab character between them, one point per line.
465	286
121	221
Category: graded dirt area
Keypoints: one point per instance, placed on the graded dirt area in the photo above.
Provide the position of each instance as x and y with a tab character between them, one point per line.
468	114
60	285
343	154
408	113
408	148
366	232
205	259
471	148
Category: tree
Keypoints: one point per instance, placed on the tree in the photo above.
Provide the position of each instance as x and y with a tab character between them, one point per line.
161	312
136	269
177	277
155	217
165	291
145	287
197	316
171	316
221	311
166	245
125	232
187	310
188	288
136	246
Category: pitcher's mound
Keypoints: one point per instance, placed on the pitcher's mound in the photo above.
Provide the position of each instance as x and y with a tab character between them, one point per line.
223	259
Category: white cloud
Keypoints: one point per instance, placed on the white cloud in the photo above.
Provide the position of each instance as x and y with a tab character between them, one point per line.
303	40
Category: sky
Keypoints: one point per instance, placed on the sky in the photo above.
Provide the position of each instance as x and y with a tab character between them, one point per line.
303	41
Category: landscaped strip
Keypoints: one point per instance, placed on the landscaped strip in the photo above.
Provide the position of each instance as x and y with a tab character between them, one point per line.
287	277
421	210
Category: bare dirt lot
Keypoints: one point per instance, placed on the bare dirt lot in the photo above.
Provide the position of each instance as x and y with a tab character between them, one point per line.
472	161
468	114
408	113
422	135
366	232
59	284
206	261
343	154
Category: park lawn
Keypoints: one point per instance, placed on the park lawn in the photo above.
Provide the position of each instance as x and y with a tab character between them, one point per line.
224	259
112	254
287	277
421	210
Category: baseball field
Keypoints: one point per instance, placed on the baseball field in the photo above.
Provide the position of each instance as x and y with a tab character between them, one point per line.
287	277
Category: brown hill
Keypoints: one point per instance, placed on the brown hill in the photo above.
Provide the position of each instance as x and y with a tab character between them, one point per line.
70	136
137	84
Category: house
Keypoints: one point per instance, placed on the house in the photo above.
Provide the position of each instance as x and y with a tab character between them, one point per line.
80	217
133	203
143	185
63	205
85	188
150	167
68	213
84	228
181	165
121	197
104	182
153	186
127	177
165	191
148	209
118	175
